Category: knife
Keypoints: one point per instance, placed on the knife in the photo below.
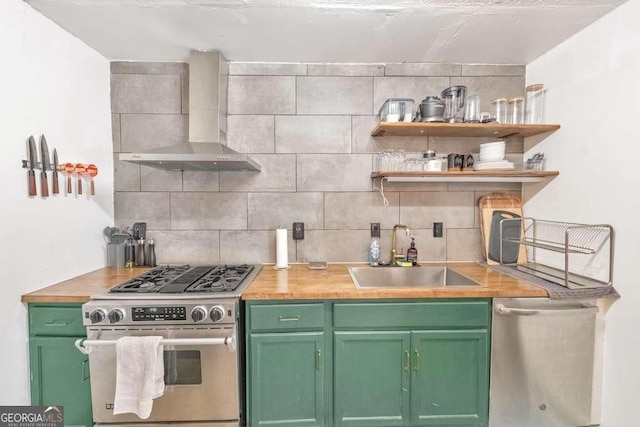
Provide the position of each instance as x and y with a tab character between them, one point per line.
33	159
44	150
56	189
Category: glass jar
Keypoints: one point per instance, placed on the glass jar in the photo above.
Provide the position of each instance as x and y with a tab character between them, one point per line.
499	110
535	104
516	110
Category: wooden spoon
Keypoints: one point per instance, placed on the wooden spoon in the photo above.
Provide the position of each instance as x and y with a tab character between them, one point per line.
79	169
69	168
92	171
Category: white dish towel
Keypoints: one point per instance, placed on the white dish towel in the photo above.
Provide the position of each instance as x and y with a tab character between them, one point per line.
139	375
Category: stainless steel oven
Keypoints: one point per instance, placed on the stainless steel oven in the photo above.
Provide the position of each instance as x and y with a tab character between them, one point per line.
200	359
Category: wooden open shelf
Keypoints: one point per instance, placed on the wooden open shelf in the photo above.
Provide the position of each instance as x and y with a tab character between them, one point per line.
467	176
491	130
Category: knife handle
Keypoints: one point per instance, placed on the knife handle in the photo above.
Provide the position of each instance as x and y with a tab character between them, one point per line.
69	189
56	189
32	183
44	188
79	185
93	189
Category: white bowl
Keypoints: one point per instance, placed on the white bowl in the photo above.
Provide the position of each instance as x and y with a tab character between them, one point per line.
492	144
493	150
492	157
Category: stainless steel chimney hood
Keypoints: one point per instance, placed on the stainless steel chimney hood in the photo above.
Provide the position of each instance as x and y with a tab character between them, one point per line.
206	149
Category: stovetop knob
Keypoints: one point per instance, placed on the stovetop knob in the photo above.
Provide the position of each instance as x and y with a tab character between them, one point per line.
198	314
97	316
116	315
217	313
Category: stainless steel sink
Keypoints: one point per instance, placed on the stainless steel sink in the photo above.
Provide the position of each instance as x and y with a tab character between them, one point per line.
392	277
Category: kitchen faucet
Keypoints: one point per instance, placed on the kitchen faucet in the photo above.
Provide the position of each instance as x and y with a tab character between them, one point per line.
394	252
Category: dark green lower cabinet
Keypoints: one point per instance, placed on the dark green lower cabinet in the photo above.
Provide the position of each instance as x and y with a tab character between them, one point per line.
60	376
286	379
371	378
368	363
449	378
395	378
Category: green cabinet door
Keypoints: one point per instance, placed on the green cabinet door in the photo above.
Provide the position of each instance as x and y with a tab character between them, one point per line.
449	378
371	378
60	377
286	379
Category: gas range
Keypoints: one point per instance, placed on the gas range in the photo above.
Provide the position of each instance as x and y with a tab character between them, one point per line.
173	295
185	282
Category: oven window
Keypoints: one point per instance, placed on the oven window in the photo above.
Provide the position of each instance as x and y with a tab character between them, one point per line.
182	367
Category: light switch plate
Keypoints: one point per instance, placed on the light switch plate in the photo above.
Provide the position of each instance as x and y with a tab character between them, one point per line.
298	231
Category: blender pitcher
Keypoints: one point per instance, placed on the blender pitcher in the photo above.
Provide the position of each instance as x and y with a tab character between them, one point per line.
454	97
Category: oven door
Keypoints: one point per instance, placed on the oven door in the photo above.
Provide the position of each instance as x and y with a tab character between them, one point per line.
201	381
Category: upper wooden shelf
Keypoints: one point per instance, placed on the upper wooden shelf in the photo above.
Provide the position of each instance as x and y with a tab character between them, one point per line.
466	176
491	130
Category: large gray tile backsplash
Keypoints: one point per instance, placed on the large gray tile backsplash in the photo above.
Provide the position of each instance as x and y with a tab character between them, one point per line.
309	127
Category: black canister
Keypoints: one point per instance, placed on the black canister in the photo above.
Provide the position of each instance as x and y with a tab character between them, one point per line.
140	253
150	253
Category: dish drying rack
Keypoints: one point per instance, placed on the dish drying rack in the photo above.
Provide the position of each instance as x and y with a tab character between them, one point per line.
577	256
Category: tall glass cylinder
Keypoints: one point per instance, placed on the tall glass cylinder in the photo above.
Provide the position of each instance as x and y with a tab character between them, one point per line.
534	110
516	110
499	110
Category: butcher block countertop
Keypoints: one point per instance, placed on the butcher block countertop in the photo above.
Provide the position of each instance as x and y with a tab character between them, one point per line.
79	289
300	283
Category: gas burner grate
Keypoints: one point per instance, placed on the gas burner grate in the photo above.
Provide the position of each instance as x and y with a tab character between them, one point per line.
221	279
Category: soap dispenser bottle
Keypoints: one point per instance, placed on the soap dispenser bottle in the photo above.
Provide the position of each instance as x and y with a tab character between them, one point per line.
412	253
374	245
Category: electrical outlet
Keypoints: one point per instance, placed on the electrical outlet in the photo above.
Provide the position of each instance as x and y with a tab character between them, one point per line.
375	229
298	231
437	229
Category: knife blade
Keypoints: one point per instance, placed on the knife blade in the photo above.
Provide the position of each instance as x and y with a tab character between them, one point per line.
33	159
56	188
44	150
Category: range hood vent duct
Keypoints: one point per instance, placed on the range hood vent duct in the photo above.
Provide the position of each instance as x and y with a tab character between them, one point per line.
206	149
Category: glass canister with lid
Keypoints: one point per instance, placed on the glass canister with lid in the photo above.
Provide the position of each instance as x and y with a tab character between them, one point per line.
396	110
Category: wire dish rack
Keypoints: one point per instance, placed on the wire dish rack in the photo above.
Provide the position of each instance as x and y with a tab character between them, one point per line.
576	256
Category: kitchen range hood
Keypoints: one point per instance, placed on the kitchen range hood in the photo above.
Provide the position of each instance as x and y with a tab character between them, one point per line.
206	149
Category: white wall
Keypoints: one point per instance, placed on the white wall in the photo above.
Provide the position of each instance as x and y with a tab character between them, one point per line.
593	82
53	84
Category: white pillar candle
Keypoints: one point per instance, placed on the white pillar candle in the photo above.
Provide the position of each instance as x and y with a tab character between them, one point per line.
282	256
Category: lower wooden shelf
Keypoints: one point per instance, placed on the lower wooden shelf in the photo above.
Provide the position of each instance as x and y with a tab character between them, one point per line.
466	176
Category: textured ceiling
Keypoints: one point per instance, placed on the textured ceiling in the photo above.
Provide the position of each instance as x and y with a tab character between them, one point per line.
475	31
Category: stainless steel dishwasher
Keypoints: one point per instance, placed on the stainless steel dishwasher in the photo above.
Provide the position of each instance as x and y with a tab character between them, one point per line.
545	363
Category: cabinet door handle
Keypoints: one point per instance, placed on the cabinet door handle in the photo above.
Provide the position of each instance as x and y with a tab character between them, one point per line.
58	322
406	360
85	370
289	319
415	367
318	360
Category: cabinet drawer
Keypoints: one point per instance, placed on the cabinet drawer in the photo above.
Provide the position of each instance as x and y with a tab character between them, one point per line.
430	315
56	321
286	316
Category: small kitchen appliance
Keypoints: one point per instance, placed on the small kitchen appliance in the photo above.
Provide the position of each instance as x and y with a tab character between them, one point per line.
195	309
431	109
454	98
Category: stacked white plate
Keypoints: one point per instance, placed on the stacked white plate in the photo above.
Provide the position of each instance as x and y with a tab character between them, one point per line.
492	157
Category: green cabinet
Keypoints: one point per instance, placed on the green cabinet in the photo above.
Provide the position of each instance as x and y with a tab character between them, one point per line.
286	369
449	378
385	363
371	378
59	372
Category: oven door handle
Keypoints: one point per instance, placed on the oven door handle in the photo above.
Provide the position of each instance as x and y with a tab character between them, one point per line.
86	346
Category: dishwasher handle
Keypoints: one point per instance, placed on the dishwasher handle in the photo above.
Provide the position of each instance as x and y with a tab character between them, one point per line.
502	309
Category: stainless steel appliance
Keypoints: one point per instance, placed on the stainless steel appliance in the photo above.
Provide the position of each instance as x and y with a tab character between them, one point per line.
454	98
545	363
196	311
431	109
